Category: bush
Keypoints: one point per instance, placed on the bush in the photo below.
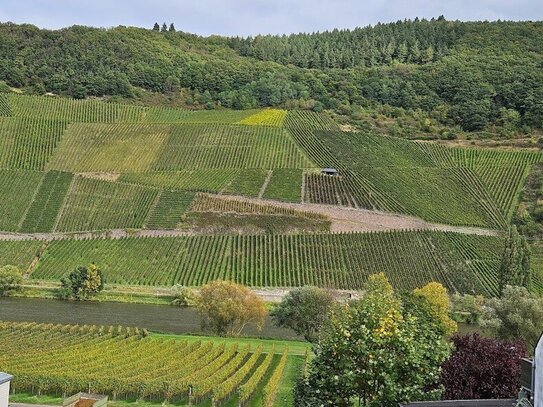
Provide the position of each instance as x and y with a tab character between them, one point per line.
518	315
467	308
482	368
182	296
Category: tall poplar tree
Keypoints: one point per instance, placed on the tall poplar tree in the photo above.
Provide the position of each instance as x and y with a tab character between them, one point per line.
515	266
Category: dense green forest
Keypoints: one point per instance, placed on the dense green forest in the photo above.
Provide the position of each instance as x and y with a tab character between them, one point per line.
420	78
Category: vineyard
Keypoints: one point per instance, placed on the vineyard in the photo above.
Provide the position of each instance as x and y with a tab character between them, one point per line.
473	187
410	259
94	204
91	166
127	364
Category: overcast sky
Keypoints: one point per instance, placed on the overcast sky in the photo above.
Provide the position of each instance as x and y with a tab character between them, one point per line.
249	17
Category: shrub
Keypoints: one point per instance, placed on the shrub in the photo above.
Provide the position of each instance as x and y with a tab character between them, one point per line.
482	368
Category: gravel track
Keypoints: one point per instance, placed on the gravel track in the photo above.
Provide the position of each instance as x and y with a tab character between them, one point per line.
342	220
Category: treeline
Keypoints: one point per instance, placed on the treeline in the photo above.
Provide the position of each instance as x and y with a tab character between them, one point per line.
477	76
407	41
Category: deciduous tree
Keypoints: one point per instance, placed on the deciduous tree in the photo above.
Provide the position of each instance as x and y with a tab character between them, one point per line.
226	307
375	352
439	305
305	310
518	314
10	279
83	282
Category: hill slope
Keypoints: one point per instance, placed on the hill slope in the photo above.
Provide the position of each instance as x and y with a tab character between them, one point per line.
478	75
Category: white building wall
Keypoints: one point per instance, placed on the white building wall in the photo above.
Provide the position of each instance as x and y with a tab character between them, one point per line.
4	394
538	385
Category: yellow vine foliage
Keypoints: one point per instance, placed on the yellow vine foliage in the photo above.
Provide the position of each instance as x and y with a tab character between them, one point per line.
266	117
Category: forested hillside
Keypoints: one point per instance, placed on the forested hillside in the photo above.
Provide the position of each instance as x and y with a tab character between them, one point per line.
416	78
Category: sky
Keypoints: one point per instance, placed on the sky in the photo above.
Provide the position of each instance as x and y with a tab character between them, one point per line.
250	17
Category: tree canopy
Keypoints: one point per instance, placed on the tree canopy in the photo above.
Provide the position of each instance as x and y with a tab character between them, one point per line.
305	310
226	307
10	279
82	283
482	368
375	352
475	75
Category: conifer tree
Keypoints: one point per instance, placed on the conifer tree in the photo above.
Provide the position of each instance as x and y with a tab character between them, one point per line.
164	28
156	27
172	28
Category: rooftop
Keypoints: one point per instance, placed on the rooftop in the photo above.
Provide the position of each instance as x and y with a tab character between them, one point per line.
4	377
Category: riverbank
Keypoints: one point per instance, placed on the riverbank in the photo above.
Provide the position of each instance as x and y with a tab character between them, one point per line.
150	294
154	317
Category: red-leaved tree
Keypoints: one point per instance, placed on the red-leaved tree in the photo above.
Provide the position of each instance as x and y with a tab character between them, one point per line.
482	368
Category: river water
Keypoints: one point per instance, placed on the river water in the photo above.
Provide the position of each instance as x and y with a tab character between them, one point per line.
159	318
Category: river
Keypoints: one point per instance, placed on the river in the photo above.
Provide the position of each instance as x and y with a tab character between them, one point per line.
159	318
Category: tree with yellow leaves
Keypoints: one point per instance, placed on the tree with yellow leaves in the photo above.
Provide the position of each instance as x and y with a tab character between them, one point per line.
227	307
377	351
439	305
82	283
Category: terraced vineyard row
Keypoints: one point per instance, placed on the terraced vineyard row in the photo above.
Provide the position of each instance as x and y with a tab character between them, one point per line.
475	187
285	185
72	110
410	259
45	207
205	180
18	189
88	147
101	205
19	253
91	147
28	143
5	110
95	111
125	364
167	212
267	117
504	184
207	146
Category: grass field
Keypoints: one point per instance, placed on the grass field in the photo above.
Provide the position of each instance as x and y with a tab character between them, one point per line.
145	368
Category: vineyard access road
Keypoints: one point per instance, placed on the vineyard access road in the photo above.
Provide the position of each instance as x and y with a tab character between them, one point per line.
342	220
363	220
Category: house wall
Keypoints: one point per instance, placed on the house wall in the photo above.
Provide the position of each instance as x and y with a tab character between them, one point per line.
538	385
4	394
